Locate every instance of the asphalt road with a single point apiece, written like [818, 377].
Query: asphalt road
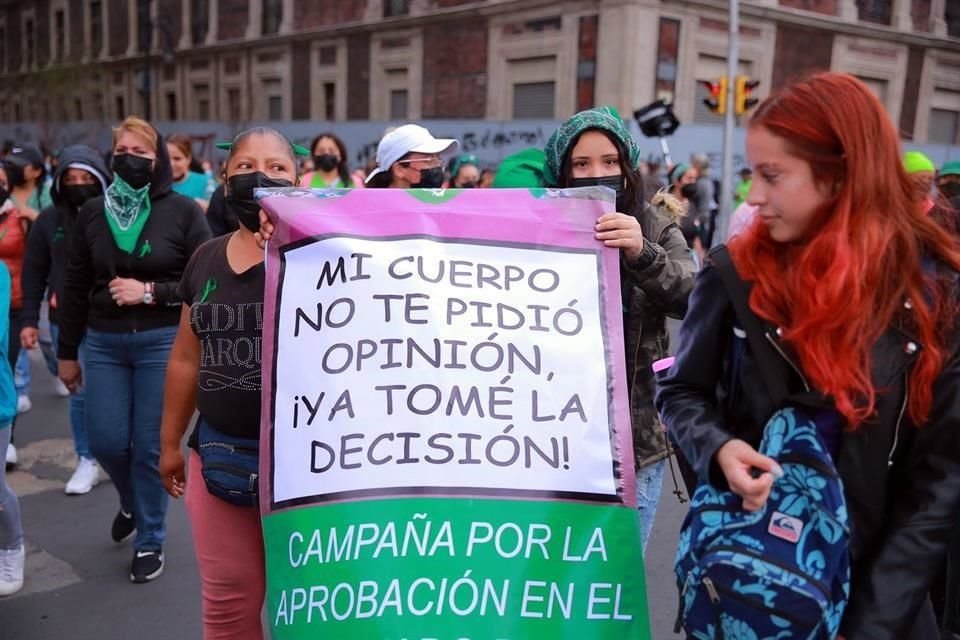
[76, 578]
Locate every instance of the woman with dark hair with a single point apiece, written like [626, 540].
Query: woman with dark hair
[227, 536]
[26, 174]
[682, 179]
[186, 181]
[127, 252]
[855, 287]
[465, 172]
[331, 170]
[594, 148]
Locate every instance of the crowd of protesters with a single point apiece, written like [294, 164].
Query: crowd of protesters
[109, 263]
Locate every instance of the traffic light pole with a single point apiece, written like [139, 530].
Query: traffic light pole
[726, 184]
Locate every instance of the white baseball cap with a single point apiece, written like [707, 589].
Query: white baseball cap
[409, 138]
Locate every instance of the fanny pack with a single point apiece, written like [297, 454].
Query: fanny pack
[230, 465]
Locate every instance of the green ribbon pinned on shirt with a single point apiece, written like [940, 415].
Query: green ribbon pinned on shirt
[145, 248]
[208, 288]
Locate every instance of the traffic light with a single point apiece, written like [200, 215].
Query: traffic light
[742, 92]
[717, 102]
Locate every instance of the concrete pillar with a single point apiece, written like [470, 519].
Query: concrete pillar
[627, 43]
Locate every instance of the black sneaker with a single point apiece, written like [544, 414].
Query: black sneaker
[146, 566]
[124, 526]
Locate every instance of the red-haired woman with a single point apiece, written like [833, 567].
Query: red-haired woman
[856, 288]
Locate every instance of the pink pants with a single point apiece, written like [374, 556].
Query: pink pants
[229, 545]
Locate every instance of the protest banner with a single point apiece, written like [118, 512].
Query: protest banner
[447, 448]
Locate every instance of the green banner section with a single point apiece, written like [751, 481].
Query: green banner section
[456, 569]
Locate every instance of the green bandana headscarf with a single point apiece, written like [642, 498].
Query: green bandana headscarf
[521, 170]
[127, 212]
[605, 118]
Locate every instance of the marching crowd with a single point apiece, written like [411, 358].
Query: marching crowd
[848, 245]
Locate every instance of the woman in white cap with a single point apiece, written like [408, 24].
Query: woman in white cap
[409, 157]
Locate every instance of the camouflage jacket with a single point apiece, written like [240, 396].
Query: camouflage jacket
[654, 286]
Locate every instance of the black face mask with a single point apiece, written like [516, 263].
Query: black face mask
[614, 182]
[950, 189]
[326, 162]
[239, 196]
[136, 171]
[689, 191]
[77, 194]
[15, 175]
[430, 179]
[468, 185]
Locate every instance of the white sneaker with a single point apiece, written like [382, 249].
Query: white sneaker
[61, 388]
[86, 477]
[11, 570]
[24, 404]
[11, 456]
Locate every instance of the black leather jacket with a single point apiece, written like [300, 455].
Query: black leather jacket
[902, 483]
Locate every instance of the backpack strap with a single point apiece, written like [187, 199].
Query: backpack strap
[738, 290]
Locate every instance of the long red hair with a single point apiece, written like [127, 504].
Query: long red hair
[838, 290]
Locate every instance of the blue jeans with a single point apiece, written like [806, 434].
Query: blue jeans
[21, 373]
[11, 532]
[649, 484]
[77, 420]
[124, 398]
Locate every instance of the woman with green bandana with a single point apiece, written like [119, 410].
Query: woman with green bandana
[465, 172]
[128, 250]
[594, 148]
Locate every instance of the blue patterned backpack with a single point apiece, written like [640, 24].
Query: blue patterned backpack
[782, 572]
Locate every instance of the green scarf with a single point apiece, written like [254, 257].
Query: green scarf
[127, 212]
[559, 144]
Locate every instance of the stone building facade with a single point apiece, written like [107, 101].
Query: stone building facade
[238, 61]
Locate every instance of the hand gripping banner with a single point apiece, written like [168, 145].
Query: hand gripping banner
[446, 452]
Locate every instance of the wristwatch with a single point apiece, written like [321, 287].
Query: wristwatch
[148, 293]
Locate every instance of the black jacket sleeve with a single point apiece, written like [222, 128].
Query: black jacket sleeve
[665, 271]
[78, 282]
[37, 261]
[196, 232]
[922, 513]
[687, 395]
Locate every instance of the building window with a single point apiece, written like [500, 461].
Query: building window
[952, 17]
[272, 16]
[171, 106]
[393, 8]
[275, 107]
[667, 52]
[534, 99]
[876, 11]
[29, 42]
[944, 126]
[121, 110]
[233, 104]
[200, 20]
[96, 27]
[201, 96]
[144, 26]
[398, 104]
[329, 100]
[59, 35]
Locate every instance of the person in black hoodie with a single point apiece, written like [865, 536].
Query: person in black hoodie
[127, 253]
[80, 176]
